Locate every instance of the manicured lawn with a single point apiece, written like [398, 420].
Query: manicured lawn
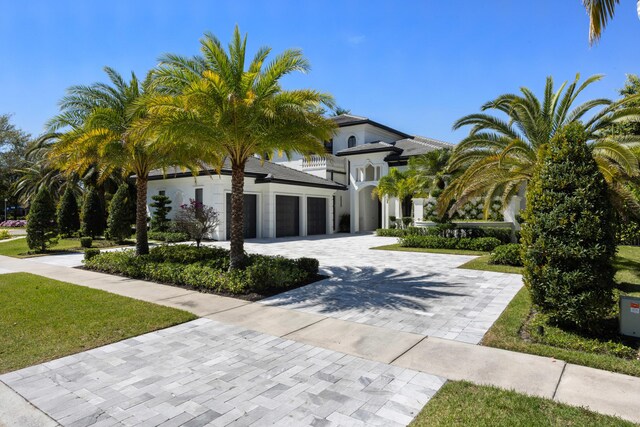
[482, 263]
[397, 247]
[44, 319]
[19, 249]
[465, 404]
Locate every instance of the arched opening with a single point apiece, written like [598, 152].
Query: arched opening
[351, 142]
[369, 210]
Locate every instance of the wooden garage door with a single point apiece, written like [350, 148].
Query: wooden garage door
[316, 215]
[287, 216]
[250, 216]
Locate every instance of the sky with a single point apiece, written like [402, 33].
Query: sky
[416, 66]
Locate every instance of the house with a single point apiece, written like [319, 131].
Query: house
[300, 197]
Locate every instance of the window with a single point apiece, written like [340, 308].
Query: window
[199, 195]
[351, 142]
[161, 193]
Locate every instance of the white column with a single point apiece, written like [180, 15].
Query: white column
[355, 210]
[418, 209]
[385, 212]
[303, 215]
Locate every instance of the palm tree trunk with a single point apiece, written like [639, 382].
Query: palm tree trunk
[237, 215]
[142, 242]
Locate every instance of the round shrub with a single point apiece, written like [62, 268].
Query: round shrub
[309, 265]
[568, 236]
[91, 253]
[510, 254]
[86, 242]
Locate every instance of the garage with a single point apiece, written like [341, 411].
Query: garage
[316, 215]
[287, 216]
[250, 216]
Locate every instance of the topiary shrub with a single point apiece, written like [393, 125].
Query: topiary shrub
[90, 253]
[118, 225]
[309, 265]
[86, 242]
[159, 221]
[92, 214]
[510, 254]
[42, 230]
[568, 236]
[68, 215]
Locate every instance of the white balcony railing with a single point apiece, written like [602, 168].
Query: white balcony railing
[329, 162]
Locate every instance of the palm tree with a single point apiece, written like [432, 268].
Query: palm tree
[93, 132]
[497, 158]
[600, 12]
[232, 109]
[431, 169]
[400, 185]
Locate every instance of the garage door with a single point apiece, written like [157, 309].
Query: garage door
[287, 216]
[250, 216]
[316, 215]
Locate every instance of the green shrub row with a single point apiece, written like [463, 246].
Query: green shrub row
[449, 230]
[205, 268]
[510, 254]
[168, 236]
[484, 244]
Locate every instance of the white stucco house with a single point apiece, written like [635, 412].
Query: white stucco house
[300, 197]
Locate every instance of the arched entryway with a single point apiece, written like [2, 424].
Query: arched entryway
[369, 210]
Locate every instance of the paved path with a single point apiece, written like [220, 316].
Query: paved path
[311, 331]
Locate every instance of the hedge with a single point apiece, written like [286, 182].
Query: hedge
[450, 230]
[510, 254]
[206, 269]
[168, 236]
[484, 244]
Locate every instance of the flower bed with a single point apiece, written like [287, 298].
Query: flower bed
[206, 269]
[14, 223]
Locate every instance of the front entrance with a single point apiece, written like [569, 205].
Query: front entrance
[250, 216]
[316, 215]
[369, 210]
[287, 216]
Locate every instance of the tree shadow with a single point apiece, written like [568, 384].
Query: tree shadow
[368, 288]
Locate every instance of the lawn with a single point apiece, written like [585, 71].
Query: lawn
[397, 247]
[515, 330]
[482, 263]
[18, 248]
[465, 404]
[44, 319]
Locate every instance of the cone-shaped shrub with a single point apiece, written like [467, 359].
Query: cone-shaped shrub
[41, 222]
[92, 214]
[68, 213]
[118, 223]
[568, 237]
[159, 221]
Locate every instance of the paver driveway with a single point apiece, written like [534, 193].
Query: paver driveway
[406, 291]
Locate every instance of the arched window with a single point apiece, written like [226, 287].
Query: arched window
[351, 142]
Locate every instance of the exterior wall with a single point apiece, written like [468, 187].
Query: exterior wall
[216, 187]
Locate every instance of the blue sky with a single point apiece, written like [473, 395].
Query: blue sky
[416, 66]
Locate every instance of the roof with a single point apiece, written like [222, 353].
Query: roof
[262, 171]
[344, 120]
[372, 147]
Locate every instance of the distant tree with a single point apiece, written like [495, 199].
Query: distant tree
[68, 213]
[568, 236]
[197, 220]
[339, 111]
[41, 222]
[92, 214]
[431, 170]
[118, 222]
[13, 144]
[159, 221]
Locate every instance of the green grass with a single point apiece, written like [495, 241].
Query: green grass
[397, 247]
[44, 319]
[465, 404]
[19, 249]
[627, 265]
[482, 263]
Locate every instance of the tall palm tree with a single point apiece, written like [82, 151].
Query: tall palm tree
[497, 158]
[233, 109]
[93, 130]
[600, 12]
[431, 169]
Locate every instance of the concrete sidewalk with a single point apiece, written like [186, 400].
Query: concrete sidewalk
[601, 391]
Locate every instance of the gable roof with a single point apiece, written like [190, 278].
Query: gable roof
[344, 120]
[263, 172]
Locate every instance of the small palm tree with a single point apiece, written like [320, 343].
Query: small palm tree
[498, 156]
[232, 109]
[400, 185]
[431, 169]
[600, 12]
[93, 130]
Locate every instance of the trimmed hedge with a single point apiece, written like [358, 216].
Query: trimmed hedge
[484, 244]
[206, 269]
[168, 236]
[510, 254]
[451, 231]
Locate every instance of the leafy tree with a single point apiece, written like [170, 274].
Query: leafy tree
[92, 214]
[600, 12]
[159, 221]
[41, 222]
[568, 235]
[95, 131]
[229, 111]
[118, 222]
[197, 220]
[13, 144]
[499, 155]
[68, 213]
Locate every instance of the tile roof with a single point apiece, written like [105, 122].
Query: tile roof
[372, 147]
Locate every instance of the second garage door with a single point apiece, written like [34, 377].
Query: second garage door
[316, 215]
[250, 216]
[287, 216]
